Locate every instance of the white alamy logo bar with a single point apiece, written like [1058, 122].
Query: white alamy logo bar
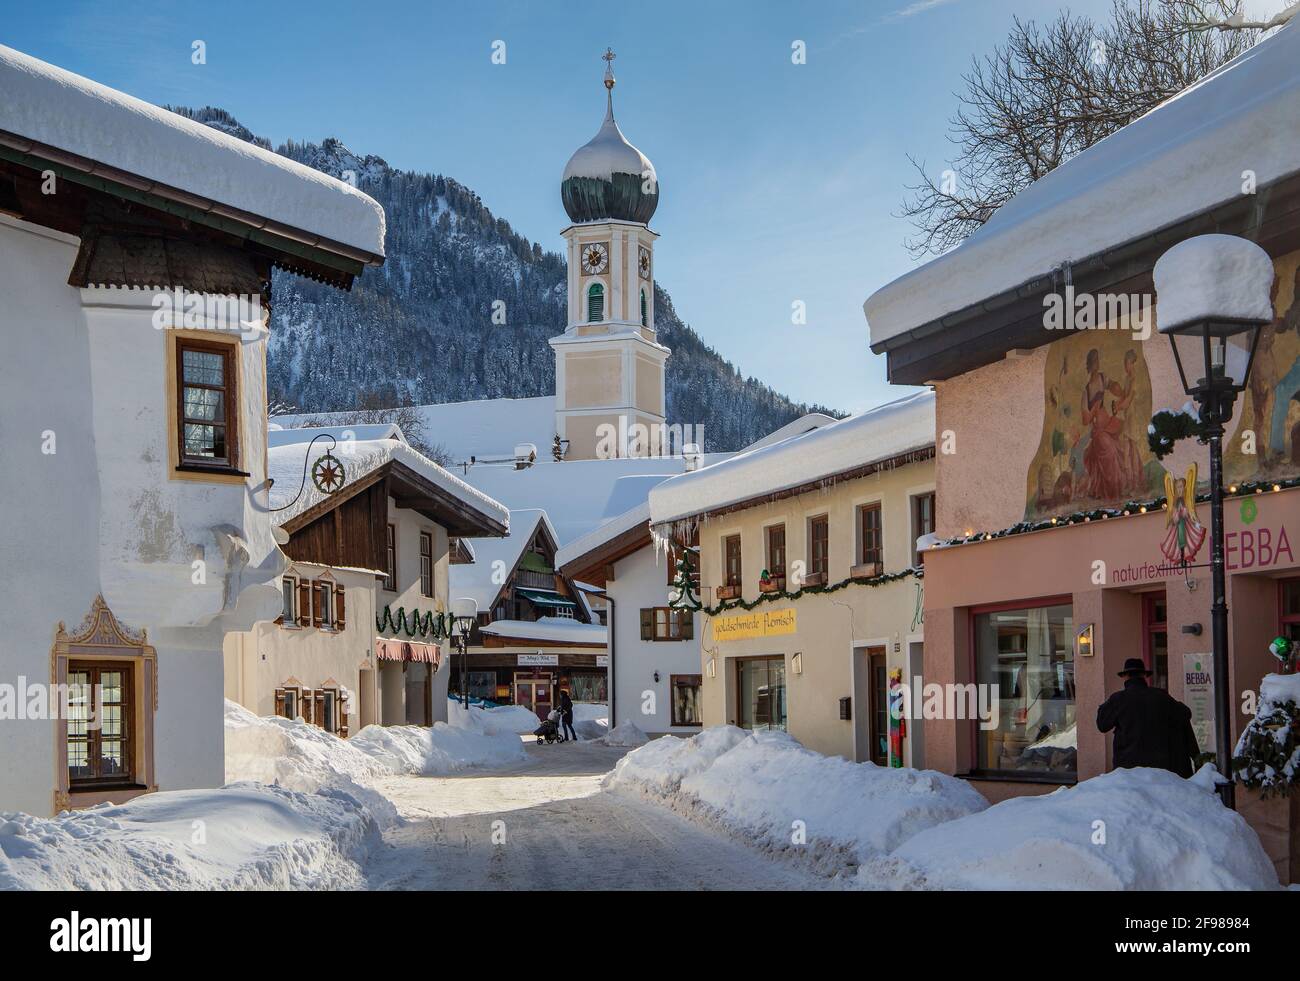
[102, 934]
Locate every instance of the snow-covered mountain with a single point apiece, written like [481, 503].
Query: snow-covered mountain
[419, 329]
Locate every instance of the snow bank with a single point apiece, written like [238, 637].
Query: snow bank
[469, 739]
[768, 790]
[511, 718]
[1158, 831]
[624, 734]
[244, 836]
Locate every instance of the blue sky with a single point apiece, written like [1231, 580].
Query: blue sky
[778, 182]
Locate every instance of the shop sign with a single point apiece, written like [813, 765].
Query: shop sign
[602, 660]
[538, 660]
[1198, 694]
[764, 623]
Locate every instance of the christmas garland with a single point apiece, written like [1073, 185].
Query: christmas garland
[1244, 489]
[434, 625]
[686, 598]
[1168, 427]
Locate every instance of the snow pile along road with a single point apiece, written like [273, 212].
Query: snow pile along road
[1130, 829]
[469, 739]
[512, 718]
[244, 836]
[767, 789]
[625, 734]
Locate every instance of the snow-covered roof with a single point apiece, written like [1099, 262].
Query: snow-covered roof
[553, 630]
[875, 435]
[289, 449]
[603, 534]
[54, 107]
[484, 428]
[494, 558]
[1187, 155]
[805, 423]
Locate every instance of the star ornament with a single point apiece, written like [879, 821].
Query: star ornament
[327, 474]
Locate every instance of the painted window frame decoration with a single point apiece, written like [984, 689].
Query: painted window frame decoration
[100, 639]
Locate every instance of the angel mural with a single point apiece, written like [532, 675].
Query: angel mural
[1186, 533]
[1097, 402]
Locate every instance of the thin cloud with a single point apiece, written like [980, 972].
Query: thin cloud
[918, 7]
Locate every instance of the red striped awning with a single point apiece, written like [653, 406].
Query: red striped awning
[391, 649]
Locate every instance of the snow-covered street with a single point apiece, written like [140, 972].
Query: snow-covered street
[558, 830]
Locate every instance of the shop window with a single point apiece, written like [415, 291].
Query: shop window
[426, 564]
[871, 539]
[482, 684]
[760, 693]
[1289, 609]
[390, 559]
[664, 623]
[587, 686]
[101, 724]
[207, 405]
[1026, 658]
[686, 699]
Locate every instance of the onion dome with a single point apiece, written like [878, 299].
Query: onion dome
[607, 178]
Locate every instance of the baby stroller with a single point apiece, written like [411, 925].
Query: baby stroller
[549, 730]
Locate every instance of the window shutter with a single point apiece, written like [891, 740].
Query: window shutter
[647, 624]
[280, 708]
[304, 602]
[688, 625]
[319, 698]
[339, 607]
[316, 605]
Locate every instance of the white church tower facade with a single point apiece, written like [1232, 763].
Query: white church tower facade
[609, 365]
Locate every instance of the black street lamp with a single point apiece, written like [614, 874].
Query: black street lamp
[464, 614]
[1216, 289]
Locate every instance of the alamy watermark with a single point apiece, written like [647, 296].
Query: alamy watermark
[1068, 310]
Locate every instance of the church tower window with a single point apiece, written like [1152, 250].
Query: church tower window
[595, 303]
[645, 316]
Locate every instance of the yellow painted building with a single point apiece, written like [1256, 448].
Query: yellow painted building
[809, 547]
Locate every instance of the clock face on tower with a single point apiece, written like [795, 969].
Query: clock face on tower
[643, 262]
[595, 258]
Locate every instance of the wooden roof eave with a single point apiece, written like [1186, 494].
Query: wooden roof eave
[590, 566]
[410, 489]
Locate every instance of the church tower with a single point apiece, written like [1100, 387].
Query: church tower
[609, 366]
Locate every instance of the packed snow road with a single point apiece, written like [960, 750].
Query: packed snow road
[557, 830]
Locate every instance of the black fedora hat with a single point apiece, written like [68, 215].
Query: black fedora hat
[1134, 665]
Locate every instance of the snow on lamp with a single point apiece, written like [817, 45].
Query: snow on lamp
[1216, 289]
[464, 611]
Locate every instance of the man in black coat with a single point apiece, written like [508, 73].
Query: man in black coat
[566, 716]
[1152, 728]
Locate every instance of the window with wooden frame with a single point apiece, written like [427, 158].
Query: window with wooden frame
[819, 549]
[207, 405]
[390, 559]
[675, 555]
[289, 609]
[290, 703]
[776, 552]
[667, 623]
[685, 689]
[100, 725]
[922, 522]
[332, 716]
[322, 604]
[731, 567]
[426, 563]
[871, 537]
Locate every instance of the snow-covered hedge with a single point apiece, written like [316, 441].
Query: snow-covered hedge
[1267, 752]
[1130, 829]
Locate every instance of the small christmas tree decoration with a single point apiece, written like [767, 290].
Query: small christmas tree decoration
[1284, 650]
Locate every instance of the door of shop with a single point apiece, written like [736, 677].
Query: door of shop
[760, 692]
[534, 693]
[1155, 633]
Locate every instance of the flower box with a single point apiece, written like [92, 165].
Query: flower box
[773, 585]
[867, 570]
[728, 592]
[813, 579]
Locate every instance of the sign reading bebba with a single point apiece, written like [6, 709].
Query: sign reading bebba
[766, 623]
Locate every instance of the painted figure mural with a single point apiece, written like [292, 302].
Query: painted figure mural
[1097, 403]
[1186, 533]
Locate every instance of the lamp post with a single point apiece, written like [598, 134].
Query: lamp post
[464, 614]
[1216, 289]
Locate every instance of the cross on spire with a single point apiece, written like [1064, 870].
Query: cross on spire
[608, 58]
